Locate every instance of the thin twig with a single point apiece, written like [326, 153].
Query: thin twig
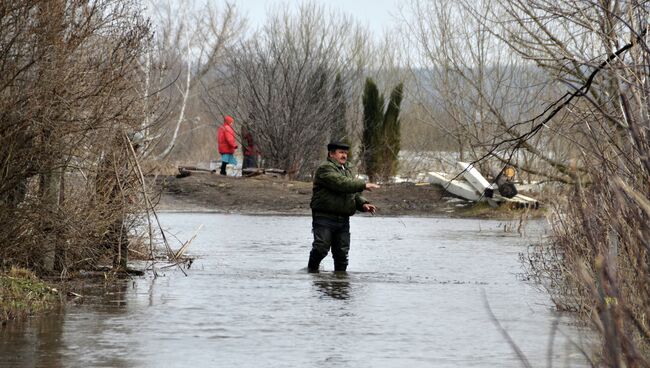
[557, 106]
[149, 206]
[187, 244]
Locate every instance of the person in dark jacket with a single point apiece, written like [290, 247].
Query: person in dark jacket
[336, 196]
[249, 149]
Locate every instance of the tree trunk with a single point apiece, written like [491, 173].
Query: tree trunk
[50, 195]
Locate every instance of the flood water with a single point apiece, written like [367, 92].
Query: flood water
[415, 296]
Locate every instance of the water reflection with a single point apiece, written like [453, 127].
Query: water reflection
[37, 344]
[40, 342]
[335, 285]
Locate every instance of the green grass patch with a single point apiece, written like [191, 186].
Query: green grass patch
[22, 294]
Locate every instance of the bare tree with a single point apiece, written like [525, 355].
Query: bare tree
[279, 84]
[189, 43]
[598, 50]
[587, 126]
[69, 76]
[475, 88]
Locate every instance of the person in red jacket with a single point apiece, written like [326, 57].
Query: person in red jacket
[226, 143]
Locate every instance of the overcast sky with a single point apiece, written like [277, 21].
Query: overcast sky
[376, 14]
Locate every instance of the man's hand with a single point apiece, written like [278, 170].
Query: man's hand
[371, 186]
[367, 207]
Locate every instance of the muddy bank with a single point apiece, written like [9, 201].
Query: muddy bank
[204, 191]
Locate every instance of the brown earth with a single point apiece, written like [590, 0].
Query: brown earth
[205, 191]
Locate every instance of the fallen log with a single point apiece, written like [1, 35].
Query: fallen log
[254, 171]
[182, 173]
[250, 172]
[276, 171]
[185, 171]
[193, 168]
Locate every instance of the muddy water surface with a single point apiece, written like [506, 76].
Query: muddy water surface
[415, 296]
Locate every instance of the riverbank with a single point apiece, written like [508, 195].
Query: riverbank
[208, 192]
[23, 294]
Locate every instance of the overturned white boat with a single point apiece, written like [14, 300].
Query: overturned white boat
[469, 184]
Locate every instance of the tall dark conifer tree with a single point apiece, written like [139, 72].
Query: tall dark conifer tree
[391, 129]
[373, 119]
[339, 130]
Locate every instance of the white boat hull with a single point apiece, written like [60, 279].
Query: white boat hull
[473, 177]
[474, 187]
[456, 187]
[477, 181]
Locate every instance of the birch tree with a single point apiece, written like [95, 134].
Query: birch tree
[189, 43]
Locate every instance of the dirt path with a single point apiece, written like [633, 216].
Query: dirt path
[205, 191]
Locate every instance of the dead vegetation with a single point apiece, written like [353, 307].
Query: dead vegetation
[597, 261]
[560, 91]
[70, 191]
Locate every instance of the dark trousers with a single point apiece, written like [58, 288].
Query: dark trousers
[250, 161]
[330, 232]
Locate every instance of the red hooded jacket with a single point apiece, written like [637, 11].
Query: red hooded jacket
[226, 137]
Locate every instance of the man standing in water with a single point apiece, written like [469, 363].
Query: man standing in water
[336, 196]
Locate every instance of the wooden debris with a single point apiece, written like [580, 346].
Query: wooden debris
[185, 171]
[182, 250]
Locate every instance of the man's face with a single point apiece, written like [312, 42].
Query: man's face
[339, 155]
